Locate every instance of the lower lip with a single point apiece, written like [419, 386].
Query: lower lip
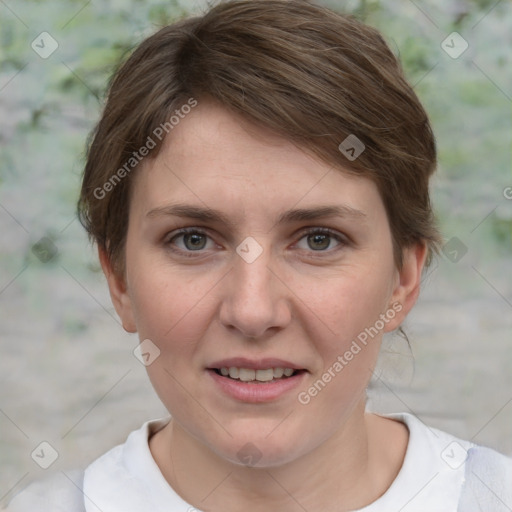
[256, 393]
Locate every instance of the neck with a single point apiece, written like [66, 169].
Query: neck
[342, 473]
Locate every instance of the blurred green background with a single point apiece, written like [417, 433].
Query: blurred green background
[67, 369]
[49, 105]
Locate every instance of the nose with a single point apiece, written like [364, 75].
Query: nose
[255, 300]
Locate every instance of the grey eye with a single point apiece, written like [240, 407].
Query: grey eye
[319, 241]
[194, 241]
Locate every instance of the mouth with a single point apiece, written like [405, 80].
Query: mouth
[263, 384]
[256, 376]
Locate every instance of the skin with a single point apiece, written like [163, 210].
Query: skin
[294, 302]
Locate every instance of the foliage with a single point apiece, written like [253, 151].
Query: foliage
[48, 106]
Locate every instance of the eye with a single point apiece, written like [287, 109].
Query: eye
[190, 240]
[320, 239]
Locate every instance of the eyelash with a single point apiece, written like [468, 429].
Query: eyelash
[342, 240]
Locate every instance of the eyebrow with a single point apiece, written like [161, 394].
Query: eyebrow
[296, 215]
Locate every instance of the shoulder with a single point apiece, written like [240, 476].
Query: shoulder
[61, 492]
[487, 481]
[123, 476]
[454, 474]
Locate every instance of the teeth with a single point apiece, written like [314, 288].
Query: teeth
[264, 375]
[249, 374]
[245, 374]
[278, 373]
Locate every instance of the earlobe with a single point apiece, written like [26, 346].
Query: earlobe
[407, 288]
[118, 293]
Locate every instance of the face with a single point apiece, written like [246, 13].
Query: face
[245, 252]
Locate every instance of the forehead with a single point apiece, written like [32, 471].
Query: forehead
[218, 139]
[217, 159]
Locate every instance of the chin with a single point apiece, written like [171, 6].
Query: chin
[260, 450]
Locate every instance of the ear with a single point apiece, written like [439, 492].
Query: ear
[118, 293]
[407, 287]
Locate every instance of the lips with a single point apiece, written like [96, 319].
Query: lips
[261, 380]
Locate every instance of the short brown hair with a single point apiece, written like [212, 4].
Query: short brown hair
[312, 75]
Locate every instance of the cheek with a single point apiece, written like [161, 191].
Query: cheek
[171, 304]
[348, 348]
[344, 306]
[174, 312]
[347, 314]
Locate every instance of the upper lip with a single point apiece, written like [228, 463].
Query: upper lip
[255, 364]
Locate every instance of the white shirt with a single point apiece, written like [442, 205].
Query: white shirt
[440, 473]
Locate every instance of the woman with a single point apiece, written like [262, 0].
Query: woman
[258, 190]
